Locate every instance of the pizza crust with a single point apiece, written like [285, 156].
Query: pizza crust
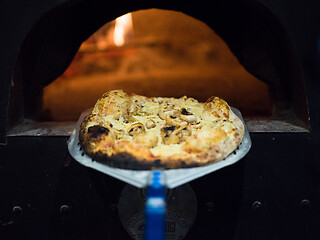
[136, 132]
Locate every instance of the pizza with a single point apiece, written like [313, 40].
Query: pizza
[139, 132]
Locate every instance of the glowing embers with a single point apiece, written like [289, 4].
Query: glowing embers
[171, 54]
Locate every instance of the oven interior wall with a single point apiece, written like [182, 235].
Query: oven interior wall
[262, 47]
[170, 54]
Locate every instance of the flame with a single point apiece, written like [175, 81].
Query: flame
[123, 29]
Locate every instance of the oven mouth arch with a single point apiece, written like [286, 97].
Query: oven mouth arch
[254, 35]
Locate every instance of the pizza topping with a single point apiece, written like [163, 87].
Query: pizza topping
[128, 118]
[169, 106]
[184, 132]
[189, 118]
[196, 125]
[175, 134]
[173, 114]
[168, 135]
[162, 115]
[150, 124]
[166, 131]
[185, 112]
[166, 115]
[136, 128]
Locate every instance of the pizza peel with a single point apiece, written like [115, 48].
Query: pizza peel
[140, 178]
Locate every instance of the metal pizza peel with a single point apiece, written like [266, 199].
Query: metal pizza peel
[140, 178]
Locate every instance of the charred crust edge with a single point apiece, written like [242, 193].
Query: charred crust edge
[127, 161]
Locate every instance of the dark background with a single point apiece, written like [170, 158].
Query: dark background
[274, 193]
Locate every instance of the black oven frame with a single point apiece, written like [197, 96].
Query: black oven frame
[271, 194]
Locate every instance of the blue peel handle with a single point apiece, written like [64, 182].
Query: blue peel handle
[155, 208]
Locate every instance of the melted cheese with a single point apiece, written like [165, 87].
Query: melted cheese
[166, 150]
[209, 122]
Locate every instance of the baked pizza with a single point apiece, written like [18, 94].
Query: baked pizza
[138, 132]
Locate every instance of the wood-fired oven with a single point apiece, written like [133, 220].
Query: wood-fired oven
[58, 57]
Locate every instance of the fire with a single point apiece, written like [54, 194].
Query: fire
[123, 29]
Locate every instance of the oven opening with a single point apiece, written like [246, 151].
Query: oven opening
[151, 52]
[154, 53]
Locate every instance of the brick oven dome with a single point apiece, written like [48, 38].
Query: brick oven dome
[253, 33]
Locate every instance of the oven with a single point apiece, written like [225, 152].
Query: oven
[58, 57]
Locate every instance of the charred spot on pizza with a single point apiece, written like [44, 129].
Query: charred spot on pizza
[98, 130]
[185, 112]
[93, 128]
[136, 129]
[169, 129]
[168, 135]
[187, 164]
[166, 131]
[175, 134]
[157, 161]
